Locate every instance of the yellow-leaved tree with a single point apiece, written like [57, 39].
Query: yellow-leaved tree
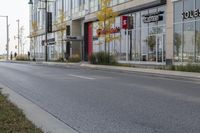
[34, 34]
[61, 27]
[106, 18]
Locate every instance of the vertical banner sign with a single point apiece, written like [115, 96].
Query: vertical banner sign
[124, 22]
[130, 22]
[49, 22]
[68, 43]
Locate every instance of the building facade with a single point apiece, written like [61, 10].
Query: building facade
[162, 31]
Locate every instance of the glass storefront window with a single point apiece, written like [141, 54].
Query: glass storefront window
[178, 9]
[197, 46]
[186, 32]
[189, 42]
[178, 42]
[188, 5]
[152, 24]
[137, 43]
[197, 4]
[138, 20]
[162, 8]
[137, 47]
[144, 38]
[94, 5]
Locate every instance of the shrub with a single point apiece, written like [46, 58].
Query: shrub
[102, 58]
[60, 59]
[74, 58]
[22, 58]
[93, 59]
[1, 57]
[188, 68]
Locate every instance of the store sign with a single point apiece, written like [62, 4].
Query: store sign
[153, 17]
[73, 38]
[127, 22]
[110, 31]
[124, 20]
[49, 22]
[49, 42]
[191, 14]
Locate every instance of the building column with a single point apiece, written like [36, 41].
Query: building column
[169, 33]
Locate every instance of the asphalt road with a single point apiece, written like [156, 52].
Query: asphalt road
[95, 101]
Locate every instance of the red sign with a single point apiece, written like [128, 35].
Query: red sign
[110, 31]
[124, 22]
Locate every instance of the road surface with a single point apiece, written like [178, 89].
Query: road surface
[95, 101]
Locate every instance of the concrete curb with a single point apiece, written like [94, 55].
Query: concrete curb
[163, 73]
[47, 122]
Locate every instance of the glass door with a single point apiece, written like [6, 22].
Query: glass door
[160, 50]
[156, 50]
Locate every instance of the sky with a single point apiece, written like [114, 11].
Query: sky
[14, 9]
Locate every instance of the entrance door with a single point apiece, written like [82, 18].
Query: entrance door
[160, 48]
[156, 50]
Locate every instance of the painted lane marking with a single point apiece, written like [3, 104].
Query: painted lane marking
[82, 77]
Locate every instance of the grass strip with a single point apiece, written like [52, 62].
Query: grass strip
[12, 119]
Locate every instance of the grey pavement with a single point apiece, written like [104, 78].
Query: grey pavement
[98, 101]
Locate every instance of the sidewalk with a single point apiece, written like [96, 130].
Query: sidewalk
[154, 72]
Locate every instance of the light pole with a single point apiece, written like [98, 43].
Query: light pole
[18, 34]
[46, 26]
[46, 30]
[7, 30]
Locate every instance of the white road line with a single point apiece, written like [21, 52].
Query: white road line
[82, 77]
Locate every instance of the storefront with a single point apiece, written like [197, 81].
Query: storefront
[144, 42]
[187, 31]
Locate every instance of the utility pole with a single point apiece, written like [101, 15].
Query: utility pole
[46, 31]
[7, 37]
[18, 34]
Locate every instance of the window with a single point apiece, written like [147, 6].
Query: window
[189, 41]
[178, 9]
[144, 36]
[197, 46]
[94, 5]
[178, 42]
[189, 6]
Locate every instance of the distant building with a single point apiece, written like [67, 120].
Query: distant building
[163, 31]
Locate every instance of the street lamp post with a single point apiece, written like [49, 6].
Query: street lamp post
[7, 38]
[46, 31]
[18, 34]
[46, 26]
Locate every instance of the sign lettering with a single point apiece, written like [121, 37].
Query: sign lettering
[191, 14]
[153, 17]
[111, 31]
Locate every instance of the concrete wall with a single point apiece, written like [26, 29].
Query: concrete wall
[169, 33]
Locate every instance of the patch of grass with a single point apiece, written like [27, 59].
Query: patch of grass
[74, 59]
[102, 58]
[185, 68]
[188, 68]
[22, 58]
[12, 119]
